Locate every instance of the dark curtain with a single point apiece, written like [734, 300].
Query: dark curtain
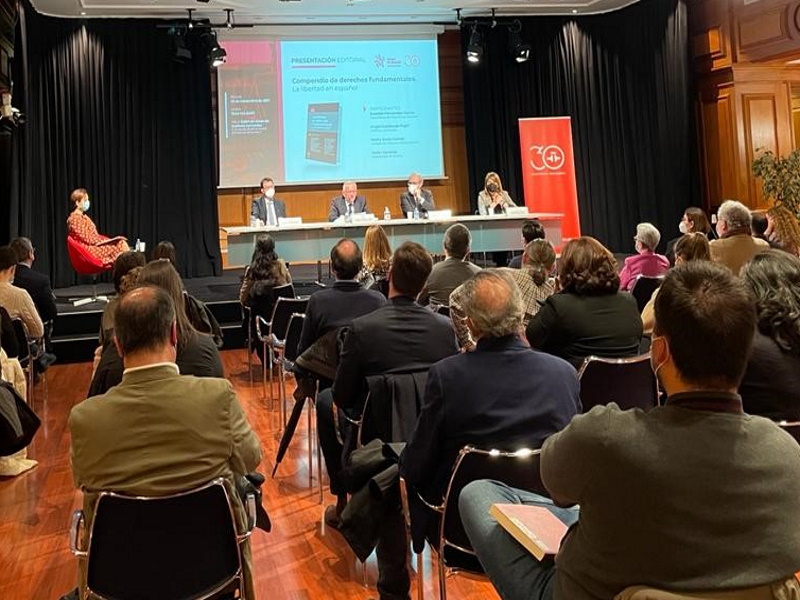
[625, 80]
[109, 110]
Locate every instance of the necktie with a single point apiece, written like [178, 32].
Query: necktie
[271, 212]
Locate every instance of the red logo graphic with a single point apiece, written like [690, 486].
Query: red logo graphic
[549, 158]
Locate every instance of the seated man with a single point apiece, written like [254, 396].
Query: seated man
[736, 244]
[348, 203]
[532, 229]
[16, 301]
[416, 196]
[267, 208]
[398, 338]
[453, 270]
[691, 496]
[195, 429]
[503, 395]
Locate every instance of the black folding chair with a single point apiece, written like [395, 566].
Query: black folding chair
[629, 382]
[178, 547]
[643, 289]
[29, 351]
[518, 469]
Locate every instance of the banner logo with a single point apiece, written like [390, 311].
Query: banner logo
[550, 157]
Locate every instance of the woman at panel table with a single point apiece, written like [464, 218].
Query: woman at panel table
[493, 199]
[82, 229]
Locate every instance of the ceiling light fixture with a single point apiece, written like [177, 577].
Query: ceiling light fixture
[229, 18]
[520, 50]
[475, 46]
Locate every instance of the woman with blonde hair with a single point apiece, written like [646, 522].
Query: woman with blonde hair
[493, 199]
[377, 255]
[783, 230]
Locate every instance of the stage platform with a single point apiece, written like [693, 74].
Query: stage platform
[76, 328]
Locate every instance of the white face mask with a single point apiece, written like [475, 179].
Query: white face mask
[683, 227]
[85, 205]
[412, 188]
[270, 193]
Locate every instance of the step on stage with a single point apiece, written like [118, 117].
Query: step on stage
[76, 329]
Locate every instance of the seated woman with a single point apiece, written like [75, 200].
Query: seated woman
[771, 383]
[124, 263]
[265, 272]
[694, 220]
[82, 229]
[493, 199]
[197, 354]
[646, 262]
[589, 315]
[377, 255]
[165, 249]
[783, 230]
[692, 246]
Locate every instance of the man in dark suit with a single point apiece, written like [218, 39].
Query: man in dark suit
[348, 203]
[38, 286]
[267, 208]
[453, 270]
[416, 195]
[401, 337]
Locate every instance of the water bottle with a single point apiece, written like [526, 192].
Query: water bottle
[253, 221]
[387, 214]
[138, 245]
[416, 211]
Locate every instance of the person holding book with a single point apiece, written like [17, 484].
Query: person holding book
[691, 496]
[82, 229]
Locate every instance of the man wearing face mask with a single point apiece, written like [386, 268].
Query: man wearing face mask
[267, 208]
[692, 495]
[348, 203]
[416, 196]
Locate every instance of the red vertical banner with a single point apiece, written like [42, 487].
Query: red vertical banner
[548, 170]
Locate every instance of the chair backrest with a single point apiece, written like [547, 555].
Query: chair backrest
[643, 289]
[519, 469]
[629, 382]
[284, 309]
[263, 305]
[83, 262]
[381, 284]
[293, 336]
[443, 309]
[21, 333]
[164, 548]
[792, 428]
[394, 403]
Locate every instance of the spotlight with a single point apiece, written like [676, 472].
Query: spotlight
[475, 46]
[180, 52]
[216, 53]
[516, 46]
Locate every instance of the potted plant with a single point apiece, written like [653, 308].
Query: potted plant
[780, 178]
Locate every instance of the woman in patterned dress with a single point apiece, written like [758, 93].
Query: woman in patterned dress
[83, 230]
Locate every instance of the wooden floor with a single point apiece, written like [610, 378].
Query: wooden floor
[299, 559]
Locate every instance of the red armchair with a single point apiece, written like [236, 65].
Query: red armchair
[85, 264]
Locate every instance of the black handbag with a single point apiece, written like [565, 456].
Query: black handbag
[18, 422]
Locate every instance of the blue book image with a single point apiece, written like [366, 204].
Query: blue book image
[323, 127]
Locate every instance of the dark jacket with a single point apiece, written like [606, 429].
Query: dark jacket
[771, 384]
[574, 327]
[407, 202]
[339, 206]
[258, 208]
[199, 358]
[336, 307]
[398, 338]
[38, 286]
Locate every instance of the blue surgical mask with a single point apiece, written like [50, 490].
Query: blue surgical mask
[85, 205]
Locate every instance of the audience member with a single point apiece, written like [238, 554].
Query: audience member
[348, 203]
[758, 225]
[82, 230]
[124, 263]
[771, 383]
[783, 230]
[532, 229]
[480, 397]
[692, 246]
[646, 262]
[12, 373]
[159, 432]
[41, 292]
[16, 301]
[691, 496]
[736, 244]
[534, 283]
[267, 208]
[694, 220]
[377, 258]
[416, 196]
[196, 352]
[401, 337]
[165, 250]
[493, 199]
[338, 305]
[454, 270]
[589, 315]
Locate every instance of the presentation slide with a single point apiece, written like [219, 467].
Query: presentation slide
[310, 112]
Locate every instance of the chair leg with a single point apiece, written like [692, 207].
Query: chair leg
[442, 575]
[319, 458]
[420, 579]
[250, 352]
[264, 372]
[310, 432]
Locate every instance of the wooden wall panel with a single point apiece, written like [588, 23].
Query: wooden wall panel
[8, 17]
[312, 202]
[718, 142]
[710, 30]
[767, 29]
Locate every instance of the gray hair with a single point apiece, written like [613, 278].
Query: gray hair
[348, 183]
[493, 303]
[648, 235]
[735, 214]
[457, 240]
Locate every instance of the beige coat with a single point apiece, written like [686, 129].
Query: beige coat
[735, 251]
